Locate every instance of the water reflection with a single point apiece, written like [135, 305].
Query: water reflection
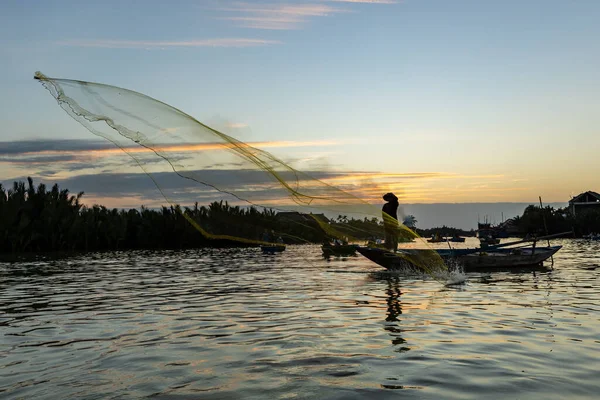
[394, 310]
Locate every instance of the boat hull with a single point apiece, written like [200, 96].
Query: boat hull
[499, 259]
[489, 241]
[339, 250]
[272, 249]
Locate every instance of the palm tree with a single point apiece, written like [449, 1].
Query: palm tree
[410, 221]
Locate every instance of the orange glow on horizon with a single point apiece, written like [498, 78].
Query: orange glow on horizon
[186, 147]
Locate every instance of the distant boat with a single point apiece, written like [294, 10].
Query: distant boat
[338, 250]
[487, 234]
[272, 249]
[488, 241]
[592, 236]
[469, 259]
[437, 238]
[457, 239]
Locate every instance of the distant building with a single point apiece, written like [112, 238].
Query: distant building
[584, 201]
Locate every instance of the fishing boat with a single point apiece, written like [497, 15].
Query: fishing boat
[487, 234]
[499, 257]
[338, 250]
[437, 238]
[488, 241]
[272, 249]
[592, 236]
[472, 260]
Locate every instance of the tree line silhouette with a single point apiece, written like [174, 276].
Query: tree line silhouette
[535, 219]
[446, 231]
[38, 219]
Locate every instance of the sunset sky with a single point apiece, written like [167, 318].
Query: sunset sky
[442, 101]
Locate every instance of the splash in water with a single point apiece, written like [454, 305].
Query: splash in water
[455, 275]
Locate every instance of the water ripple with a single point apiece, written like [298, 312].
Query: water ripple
[240, 324]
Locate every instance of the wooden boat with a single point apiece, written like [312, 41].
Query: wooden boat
[488, 241]
[437, 238]
[487, 234]
[470, 259]
[338, 250]
[272, 249]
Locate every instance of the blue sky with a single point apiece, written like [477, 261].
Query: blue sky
[498, 101]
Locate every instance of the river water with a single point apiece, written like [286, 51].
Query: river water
[237, 324]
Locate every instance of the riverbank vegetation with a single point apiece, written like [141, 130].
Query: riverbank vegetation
[535, 220]
[38, 219]
[41, 219]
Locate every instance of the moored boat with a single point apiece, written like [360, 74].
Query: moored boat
[470, 259]
[436, 238]
[592, 236]
[488, 241]
[272, 249]
[338, 250]
[487, 234]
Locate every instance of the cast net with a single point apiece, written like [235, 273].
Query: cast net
[255, 197]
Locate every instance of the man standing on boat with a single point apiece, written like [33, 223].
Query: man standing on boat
[390, 221]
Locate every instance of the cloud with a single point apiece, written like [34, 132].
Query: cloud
[365, 1]
[163, 44]
[359, 176]
[69, 157]
[38, 159]
[99, 148]
[132, 188]
[255, 185]
[22, 147]
[275, 16]
[236, 125]
[284, 16]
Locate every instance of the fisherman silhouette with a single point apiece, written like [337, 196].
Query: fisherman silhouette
[390, 221]
[266, 237]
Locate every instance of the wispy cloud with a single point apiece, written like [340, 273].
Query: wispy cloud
[64, 146]
[259, 187]
[366, 1]
[67, 156]
[236, 125]
[164, 44]
[275, 16]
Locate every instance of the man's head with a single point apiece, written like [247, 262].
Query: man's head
[390, 197]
